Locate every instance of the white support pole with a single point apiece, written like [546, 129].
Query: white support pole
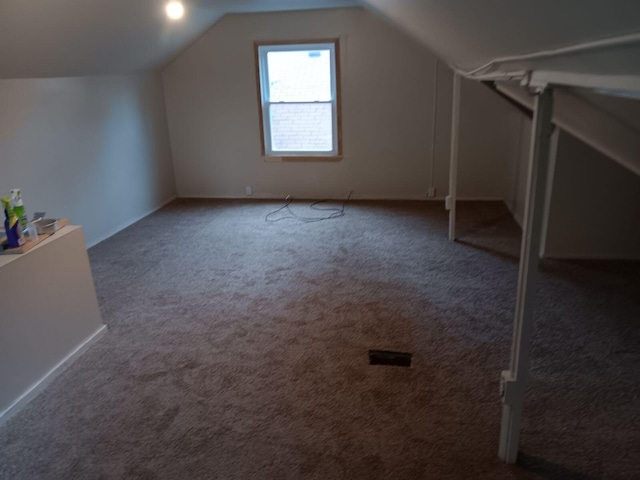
[551, 172]
[434, 124]
[514, 380]
[453, 162]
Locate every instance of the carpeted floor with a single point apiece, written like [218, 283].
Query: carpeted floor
[237, 349]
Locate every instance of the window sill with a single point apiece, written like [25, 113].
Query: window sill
[310, 158]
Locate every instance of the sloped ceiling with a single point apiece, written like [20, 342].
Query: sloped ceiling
[607, 124]
[49, 38]
[623, 110]
[58, 38]
[471, 33]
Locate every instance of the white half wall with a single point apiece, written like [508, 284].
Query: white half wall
[94, 149]
[46, 320]
[387, 113]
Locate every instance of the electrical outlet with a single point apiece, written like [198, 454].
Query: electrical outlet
[248, 191]
[447, 202]
[431, 193]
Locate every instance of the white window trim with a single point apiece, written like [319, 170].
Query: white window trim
[263, 50]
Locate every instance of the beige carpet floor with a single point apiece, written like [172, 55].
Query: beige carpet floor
[237, 349]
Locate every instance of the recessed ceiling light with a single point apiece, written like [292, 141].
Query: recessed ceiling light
[175, 10]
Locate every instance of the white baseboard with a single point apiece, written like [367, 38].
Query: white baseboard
[593, 256]
[479, 199]
[302, 197]
[338, 198]
[128, 223]
[59, 368]
[513, 214]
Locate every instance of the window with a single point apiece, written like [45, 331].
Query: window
[299, 95]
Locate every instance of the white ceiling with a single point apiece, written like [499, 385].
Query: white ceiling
[471, 33]
[49, 38]
[58, 38]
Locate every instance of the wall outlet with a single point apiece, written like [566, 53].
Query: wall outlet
[248, 191]
[431, 193]
[447, 202]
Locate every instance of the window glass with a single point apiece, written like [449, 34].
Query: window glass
[299, 107]
[298, 127]
[300, 76]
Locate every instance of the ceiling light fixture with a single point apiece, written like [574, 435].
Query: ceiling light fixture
[175, 10]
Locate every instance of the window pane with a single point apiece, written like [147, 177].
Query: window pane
[300, 76]
[303, 127]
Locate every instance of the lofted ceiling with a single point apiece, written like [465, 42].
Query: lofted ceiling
[59, 38]
[46, 38]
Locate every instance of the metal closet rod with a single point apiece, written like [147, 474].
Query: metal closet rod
[483, 71]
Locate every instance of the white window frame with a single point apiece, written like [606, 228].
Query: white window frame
[263, 75]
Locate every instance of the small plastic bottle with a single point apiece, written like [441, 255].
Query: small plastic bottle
[32, 232]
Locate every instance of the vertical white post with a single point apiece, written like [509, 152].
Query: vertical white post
[434, 124]
[453, 162]
[553, 156]
[514, 380]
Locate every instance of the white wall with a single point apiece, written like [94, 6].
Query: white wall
[387, 111]
[517, 168]
[595, 206]
[594, 201]
[94, 149]
[490, 135]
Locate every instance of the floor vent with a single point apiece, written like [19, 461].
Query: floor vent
[385, 357]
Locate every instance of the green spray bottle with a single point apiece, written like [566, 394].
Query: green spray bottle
[15, 236]
[18, 207]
